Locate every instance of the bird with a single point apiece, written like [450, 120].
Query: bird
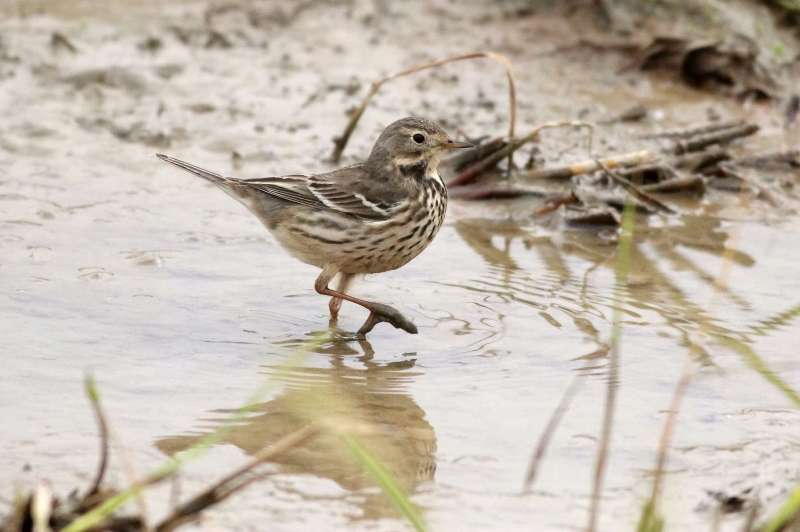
[369, 217]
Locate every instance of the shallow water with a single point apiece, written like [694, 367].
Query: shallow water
[181, 305]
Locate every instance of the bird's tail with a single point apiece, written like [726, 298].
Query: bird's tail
[208, 175]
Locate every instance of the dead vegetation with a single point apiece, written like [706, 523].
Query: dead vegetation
[667, 165]
[96, 509]
[656, 166]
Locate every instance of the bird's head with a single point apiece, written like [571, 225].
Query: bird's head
[413, 146]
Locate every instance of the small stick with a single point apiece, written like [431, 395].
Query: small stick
[676, 184]
[717, 137]
[472, 172]
[635, 191]
[692, 132]
[698, 161]
[341, 141]
[549, 430]
[789, 158]
[587, 167]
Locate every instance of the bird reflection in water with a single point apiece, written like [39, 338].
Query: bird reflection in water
[341, 383]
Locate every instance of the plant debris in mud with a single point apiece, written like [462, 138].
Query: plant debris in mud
[671, 163]
[687, 161]
[41, 510]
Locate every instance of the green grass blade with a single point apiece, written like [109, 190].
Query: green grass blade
[650, 521]
[384, 479]
[98, 515]
[785, 513]
[621, 270]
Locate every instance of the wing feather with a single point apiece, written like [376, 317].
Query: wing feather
[346, 191]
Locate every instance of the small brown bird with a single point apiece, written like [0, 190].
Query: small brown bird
[371, 217]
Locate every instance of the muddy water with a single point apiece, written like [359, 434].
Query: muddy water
[182, 305]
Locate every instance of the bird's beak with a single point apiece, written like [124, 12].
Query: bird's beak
[450, 144]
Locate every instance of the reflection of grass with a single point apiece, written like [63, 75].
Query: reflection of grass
[758, 364]
[622, 269]
[347, 432]
[683, 314]
[650, 519]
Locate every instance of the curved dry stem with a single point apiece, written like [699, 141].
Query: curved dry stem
[102, 427]
[340, 142]
[580, 124]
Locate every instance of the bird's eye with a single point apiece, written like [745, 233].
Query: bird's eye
[419, 138]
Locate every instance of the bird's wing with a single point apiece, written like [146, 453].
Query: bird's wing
[348, 191]
[291, 188]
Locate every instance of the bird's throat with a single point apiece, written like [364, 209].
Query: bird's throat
[416, 170]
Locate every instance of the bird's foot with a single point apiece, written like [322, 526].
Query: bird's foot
[379, 312]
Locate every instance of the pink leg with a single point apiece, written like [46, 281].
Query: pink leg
[378, 312]
[336, 302]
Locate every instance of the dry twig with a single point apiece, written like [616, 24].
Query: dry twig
[341, 141]
[635, 191]
[721, 136]
[694, 131]
[587, 167]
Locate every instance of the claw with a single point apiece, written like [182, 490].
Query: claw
[380, 312]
